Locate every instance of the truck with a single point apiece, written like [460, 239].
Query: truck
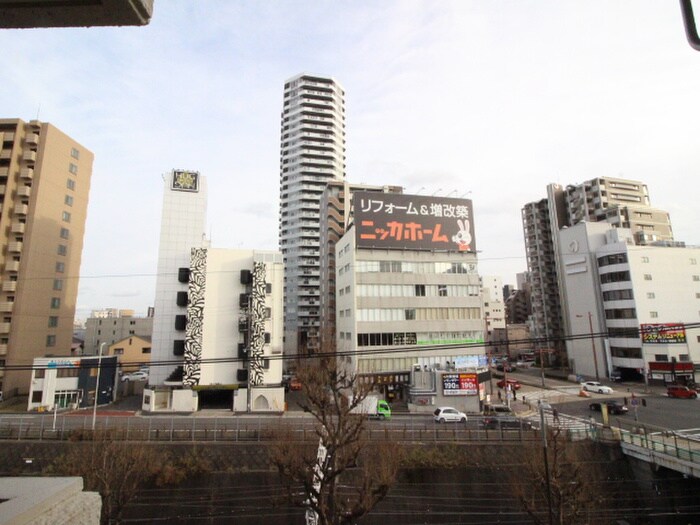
[373, 407]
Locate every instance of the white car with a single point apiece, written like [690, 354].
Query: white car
[135, 376]
[447, 414]
[595, 386]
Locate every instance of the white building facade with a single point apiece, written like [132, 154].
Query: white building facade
[632, 309]
[408, 294]
[183, 223]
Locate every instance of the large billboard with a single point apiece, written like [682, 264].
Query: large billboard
[460, 385]
[668, 333]
[413, 222]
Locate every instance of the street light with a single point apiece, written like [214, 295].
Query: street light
[97, 386]
[595, 355]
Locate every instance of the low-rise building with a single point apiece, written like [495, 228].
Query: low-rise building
[71, 382]
[109, 329]
[133, 352]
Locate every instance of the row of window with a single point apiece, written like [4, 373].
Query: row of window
[414, 267]
[417, 290]
[416, 314]
[413, 338]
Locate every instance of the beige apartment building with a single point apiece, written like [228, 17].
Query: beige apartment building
[45, 183]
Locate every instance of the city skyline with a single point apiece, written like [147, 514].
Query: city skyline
[494, 99]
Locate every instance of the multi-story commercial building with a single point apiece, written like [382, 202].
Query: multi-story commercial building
[182, 227]
[218, 326]
[109, 330]
[312, 155]
[408, 291]
[335, 215]
[45, 184]
[620, 202]
[628, 312]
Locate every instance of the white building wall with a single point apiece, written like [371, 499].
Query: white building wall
[183, 226]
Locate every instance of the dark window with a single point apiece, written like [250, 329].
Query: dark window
[65, 232]
[50, 340]
[246, 277]
[146, 350]
[70, 184]
[617, 295]
[615, 258]
[183, 275]
[62, 249]
[36, 396]
[58, 284]
[621, 313]
[267, 337]
[633, 353]
[182, 299]
[40, 373]
[442, 290]
[180, 322]
[623, 332]
[53, 321]
[242, 376]
[60, 267]
[55, 302]
[420, 290]
[179, 347]
[410, 314]
[661, 357]
[614, 277]
[268, 288]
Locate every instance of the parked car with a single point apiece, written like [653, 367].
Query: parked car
[681, 391]
[497, 410]
[505, 422]
[505, 367]
[595, 386]
[449, 414]
[135, 376]
[512, 383]
[294, 384]
[613, 407]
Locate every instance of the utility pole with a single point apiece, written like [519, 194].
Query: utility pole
[546, 466]
[97, 386]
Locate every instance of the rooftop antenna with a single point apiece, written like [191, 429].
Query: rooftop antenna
[453, 191]
[421, 189]
[38, 110]
[436, 192]
[465, 194]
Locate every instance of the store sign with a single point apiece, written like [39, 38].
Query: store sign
[460, 385]
[63, 363]
[668, 333]
[413, 222]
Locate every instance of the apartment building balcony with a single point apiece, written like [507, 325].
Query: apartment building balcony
[6, 306]
[18, 227]
[3, 188]
[12, 266]
[32, 139]
[29, 156]
[26, 173]
[4, 172]
[21, 209]
[8, 136]
[9, 286]
[24, 191]
[3, 346]
[5, 154]
[15, 247]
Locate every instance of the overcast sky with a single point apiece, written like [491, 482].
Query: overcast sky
[494, 98]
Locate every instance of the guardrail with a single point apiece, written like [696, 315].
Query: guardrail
[196, 429]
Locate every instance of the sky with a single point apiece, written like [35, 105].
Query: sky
[490, 100]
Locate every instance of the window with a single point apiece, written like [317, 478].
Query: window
[442, 290]
[617, 295]
[58, 284]
[684, 358]
[651, 295]
[696, 277]
[65, 233]
[62, 249]
[60, 267]
[39, 374]
[118, 351]
[36, 395]
[616, 258]
[73, 168]
[614, 277]
[50, 340]
[645, 259]
[70, 184]
[661, 357]
[647, 277]
[268, 288]
[74, 153]
[65, 216]
[55, 302]
[53, 321]
[693, 261]
[68, 200]
[653, 315]
[268, 313]
[410, 314]
[146, 350]
[420, 290]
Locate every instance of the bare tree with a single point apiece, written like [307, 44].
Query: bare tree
[574, 488]
[119, 469]
[312, 480]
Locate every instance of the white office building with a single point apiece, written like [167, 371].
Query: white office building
[632, 309]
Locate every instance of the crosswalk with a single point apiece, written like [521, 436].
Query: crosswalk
[561, 422]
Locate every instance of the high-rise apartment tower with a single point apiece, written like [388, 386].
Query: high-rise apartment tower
[312, 154]
[44, 188]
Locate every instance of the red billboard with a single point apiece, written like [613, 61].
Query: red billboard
[669, 333]
[413, 222]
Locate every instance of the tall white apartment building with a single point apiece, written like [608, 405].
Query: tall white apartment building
[312, 154]
[182, 227]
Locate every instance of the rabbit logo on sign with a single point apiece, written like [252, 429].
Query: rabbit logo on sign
[463, 238]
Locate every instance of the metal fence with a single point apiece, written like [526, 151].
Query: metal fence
[244, 429]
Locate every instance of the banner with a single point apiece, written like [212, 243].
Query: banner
[668, 333]
[460, 385]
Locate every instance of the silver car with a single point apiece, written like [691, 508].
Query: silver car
[449, 414]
